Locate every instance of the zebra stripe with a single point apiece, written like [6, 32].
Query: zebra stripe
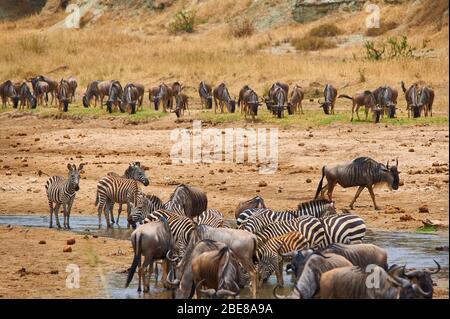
[211, 218]
[344, 228]
[145, 205]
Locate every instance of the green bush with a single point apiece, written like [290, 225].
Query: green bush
[325, 30]
[312, 43]
[393, 48]
[184, 21]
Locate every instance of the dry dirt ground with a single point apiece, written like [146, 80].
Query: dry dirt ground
[29, 144]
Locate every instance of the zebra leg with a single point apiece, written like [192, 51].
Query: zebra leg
[64, 205]
[107, 212]
[50, 204]
[358, 192]
[99, 211]
[112, 213]
[56, 211]
[68, 212]
[373, 197]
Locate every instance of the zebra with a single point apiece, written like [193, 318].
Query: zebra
[211, 217]
[243, 217]
[145, 204]
[61, 191]
[259, 219]
[117, 189]
[181, 227]
[309, 226]
[344, 228]
[269, 254]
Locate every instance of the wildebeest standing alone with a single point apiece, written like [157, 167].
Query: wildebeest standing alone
[330, 94]
[363, 172]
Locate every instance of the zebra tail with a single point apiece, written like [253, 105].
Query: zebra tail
[136, 261]
[319, 187]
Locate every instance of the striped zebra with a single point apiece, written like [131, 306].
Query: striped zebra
[181, 227]
[309, 226]
[261, 218]
[269, 254]
[344, 229]
[145, 204]
[211, 217]
[61, 191]
[247, 213]
[117, 189]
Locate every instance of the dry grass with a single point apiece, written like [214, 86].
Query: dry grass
[325, 30]
[312, 43]
[384, 27]
[241, 28]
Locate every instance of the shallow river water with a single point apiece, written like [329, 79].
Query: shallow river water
[413, 249]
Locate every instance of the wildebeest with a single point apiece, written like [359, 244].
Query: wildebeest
[204, 90]
[330, 94]
[92, 91]
[242, 243]
[360, 255]
[363, 172]
[181, 104]
[176, 88]
[240, 101]
[191, 199]
[129, 98]
[25, 96]
[411, 97]
[366, 99]
[308, 283]
[279, 101]
[114, 94]
[386, 98]
[250, 103]
[425, 100]
[63, 95]
[164, 96]
[222, 95]
[154, 241]
[73, 87]
[7, 91]
[351, 282]
[422, 278]
[52, 86]
[254, 202]
[296, 98]
[40, 90]
[184, 284]
[218, 270]
[152, 93]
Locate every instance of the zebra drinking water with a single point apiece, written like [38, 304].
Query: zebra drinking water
[61, 191]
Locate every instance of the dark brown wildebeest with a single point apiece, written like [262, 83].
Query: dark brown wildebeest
[363, 172]
[425, 100]
[73, 87]
[218, 270]
[25, 96]
[386, 98]
[411, 95]
[52, 84]
[153, 240]
[114, 94]
[366, 99]
[278, 96]
[254, 202]
[103, 90]
[41, 90]
[330, 94]
[181, 104]
[222, 95]
[176, 88]
[204, 90]
[240, 101]
[141, 91]
[165, 96]
[251, 103]
[92, 91]
[63, 95]
[130, 98]
[296, 99]
[7, 91]
[152, 93]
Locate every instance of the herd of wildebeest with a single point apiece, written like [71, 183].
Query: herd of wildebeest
[280, 97]
[203, 254]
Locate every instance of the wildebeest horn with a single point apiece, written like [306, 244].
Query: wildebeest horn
[277, 296]
[417, 272]
[396, 161]
[225, 292]
[419, 290]
[438, 268]
[168, 257]
[387, 164]
[174, 282]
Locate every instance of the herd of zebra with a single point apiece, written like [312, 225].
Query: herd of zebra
[199, 249]
[280, 97]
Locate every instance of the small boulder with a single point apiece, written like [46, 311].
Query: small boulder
[308, 180]
[406, 218]
[424, 209]
[262, 184]
[67, 249]
[42, 242]
[71, 241]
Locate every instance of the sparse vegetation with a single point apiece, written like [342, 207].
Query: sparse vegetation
[241, 28]
[34, 43]
[184, 21]
[362, 75]
[384, 27]
[325, 30]
[312, 43]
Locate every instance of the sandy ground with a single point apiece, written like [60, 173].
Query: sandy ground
[29, 144]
